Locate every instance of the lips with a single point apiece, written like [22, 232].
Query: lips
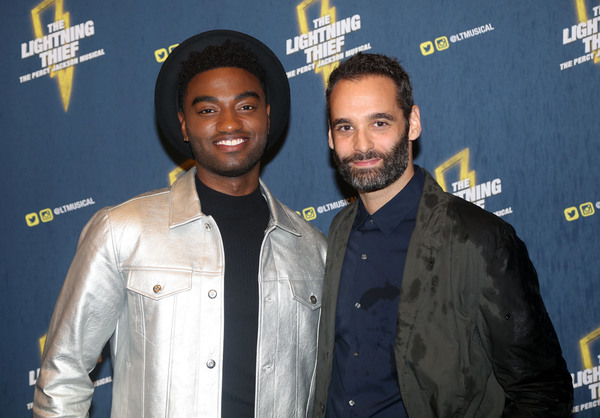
[231, 142]
[366, 163]
[363, 159]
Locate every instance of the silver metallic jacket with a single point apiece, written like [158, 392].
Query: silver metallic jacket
[148, 275]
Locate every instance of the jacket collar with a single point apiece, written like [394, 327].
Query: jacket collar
[429, 219]
[186, 206]
[280, 217]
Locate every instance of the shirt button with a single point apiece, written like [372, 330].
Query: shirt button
[211, 364]
[212, 293]
[356, 354]
[357, 305]
[313, 299]
[364, 256]
[157, 288]
[351, 402]
[207, 227]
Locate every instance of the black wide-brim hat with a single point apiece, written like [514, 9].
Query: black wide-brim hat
[165, 94]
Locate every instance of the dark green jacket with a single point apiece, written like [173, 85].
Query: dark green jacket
[473, 336]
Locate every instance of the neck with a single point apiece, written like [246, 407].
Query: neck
[374, 201]
[233, 186]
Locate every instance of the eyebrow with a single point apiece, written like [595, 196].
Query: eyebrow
[247, 94]
[381, 115]
[212, 99]
[340, 121]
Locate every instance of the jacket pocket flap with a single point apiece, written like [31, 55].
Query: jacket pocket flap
[307, 292]
[158, 284]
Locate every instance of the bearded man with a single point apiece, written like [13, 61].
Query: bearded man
[431, 306]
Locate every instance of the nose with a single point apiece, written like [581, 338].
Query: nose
[362, 141]
[229, 121]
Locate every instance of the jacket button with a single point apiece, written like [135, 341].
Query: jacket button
[212, 293]
[210, 364]
[313, 299]
[157, 288]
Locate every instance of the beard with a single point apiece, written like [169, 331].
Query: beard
[367, 180]
[235, 168]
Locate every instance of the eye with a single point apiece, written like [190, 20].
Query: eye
[380, 124]
[206, 111]
[248, 107]
[343, 128]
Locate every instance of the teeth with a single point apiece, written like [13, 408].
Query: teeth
[230, 142]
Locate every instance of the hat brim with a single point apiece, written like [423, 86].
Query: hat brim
[165, 94]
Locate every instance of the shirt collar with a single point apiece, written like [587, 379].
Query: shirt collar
[400, 208]
[186, 207]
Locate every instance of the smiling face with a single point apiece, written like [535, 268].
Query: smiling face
[226, 120]
[369, 134]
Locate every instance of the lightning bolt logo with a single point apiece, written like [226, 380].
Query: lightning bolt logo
[177, 171]
[583, 17]
[462, 159]
[64, 76]
[585, 349]
[325, 70]
[42, 342]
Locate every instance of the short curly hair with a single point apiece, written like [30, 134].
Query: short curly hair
[363, 65]
[228, 54]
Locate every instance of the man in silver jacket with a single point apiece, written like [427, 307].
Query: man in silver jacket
[195, 330]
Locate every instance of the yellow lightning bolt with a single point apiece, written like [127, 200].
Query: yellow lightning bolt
[304, 29]
[65, 76]
[462, 158]
[582, 16]
[176, 172]
[42, 342]
[585, 349]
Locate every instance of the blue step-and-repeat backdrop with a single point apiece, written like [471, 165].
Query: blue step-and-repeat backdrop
[510, 105]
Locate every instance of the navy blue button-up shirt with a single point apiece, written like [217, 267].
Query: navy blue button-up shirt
[364, 381]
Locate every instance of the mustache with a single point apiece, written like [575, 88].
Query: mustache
[362, 156]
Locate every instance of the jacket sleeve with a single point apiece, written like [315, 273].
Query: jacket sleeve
[84, 318]
[518, 334]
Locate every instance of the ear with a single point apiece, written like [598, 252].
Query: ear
[330, 138]
[414, 124]
[268, 118]
[181, 117]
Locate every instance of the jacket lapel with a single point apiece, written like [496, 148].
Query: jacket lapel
[421, 259]
[185, 204]
[336, 249]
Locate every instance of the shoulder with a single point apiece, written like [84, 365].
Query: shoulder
[472, 221]
[477, 234]
[133, 211]
[465, 218]
[150, 198]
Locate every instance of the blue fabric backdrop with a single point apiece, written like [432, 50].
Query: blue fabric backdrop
[508, 93]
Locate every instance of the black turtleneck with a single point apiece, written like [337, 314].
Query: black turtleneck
[242, 221]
